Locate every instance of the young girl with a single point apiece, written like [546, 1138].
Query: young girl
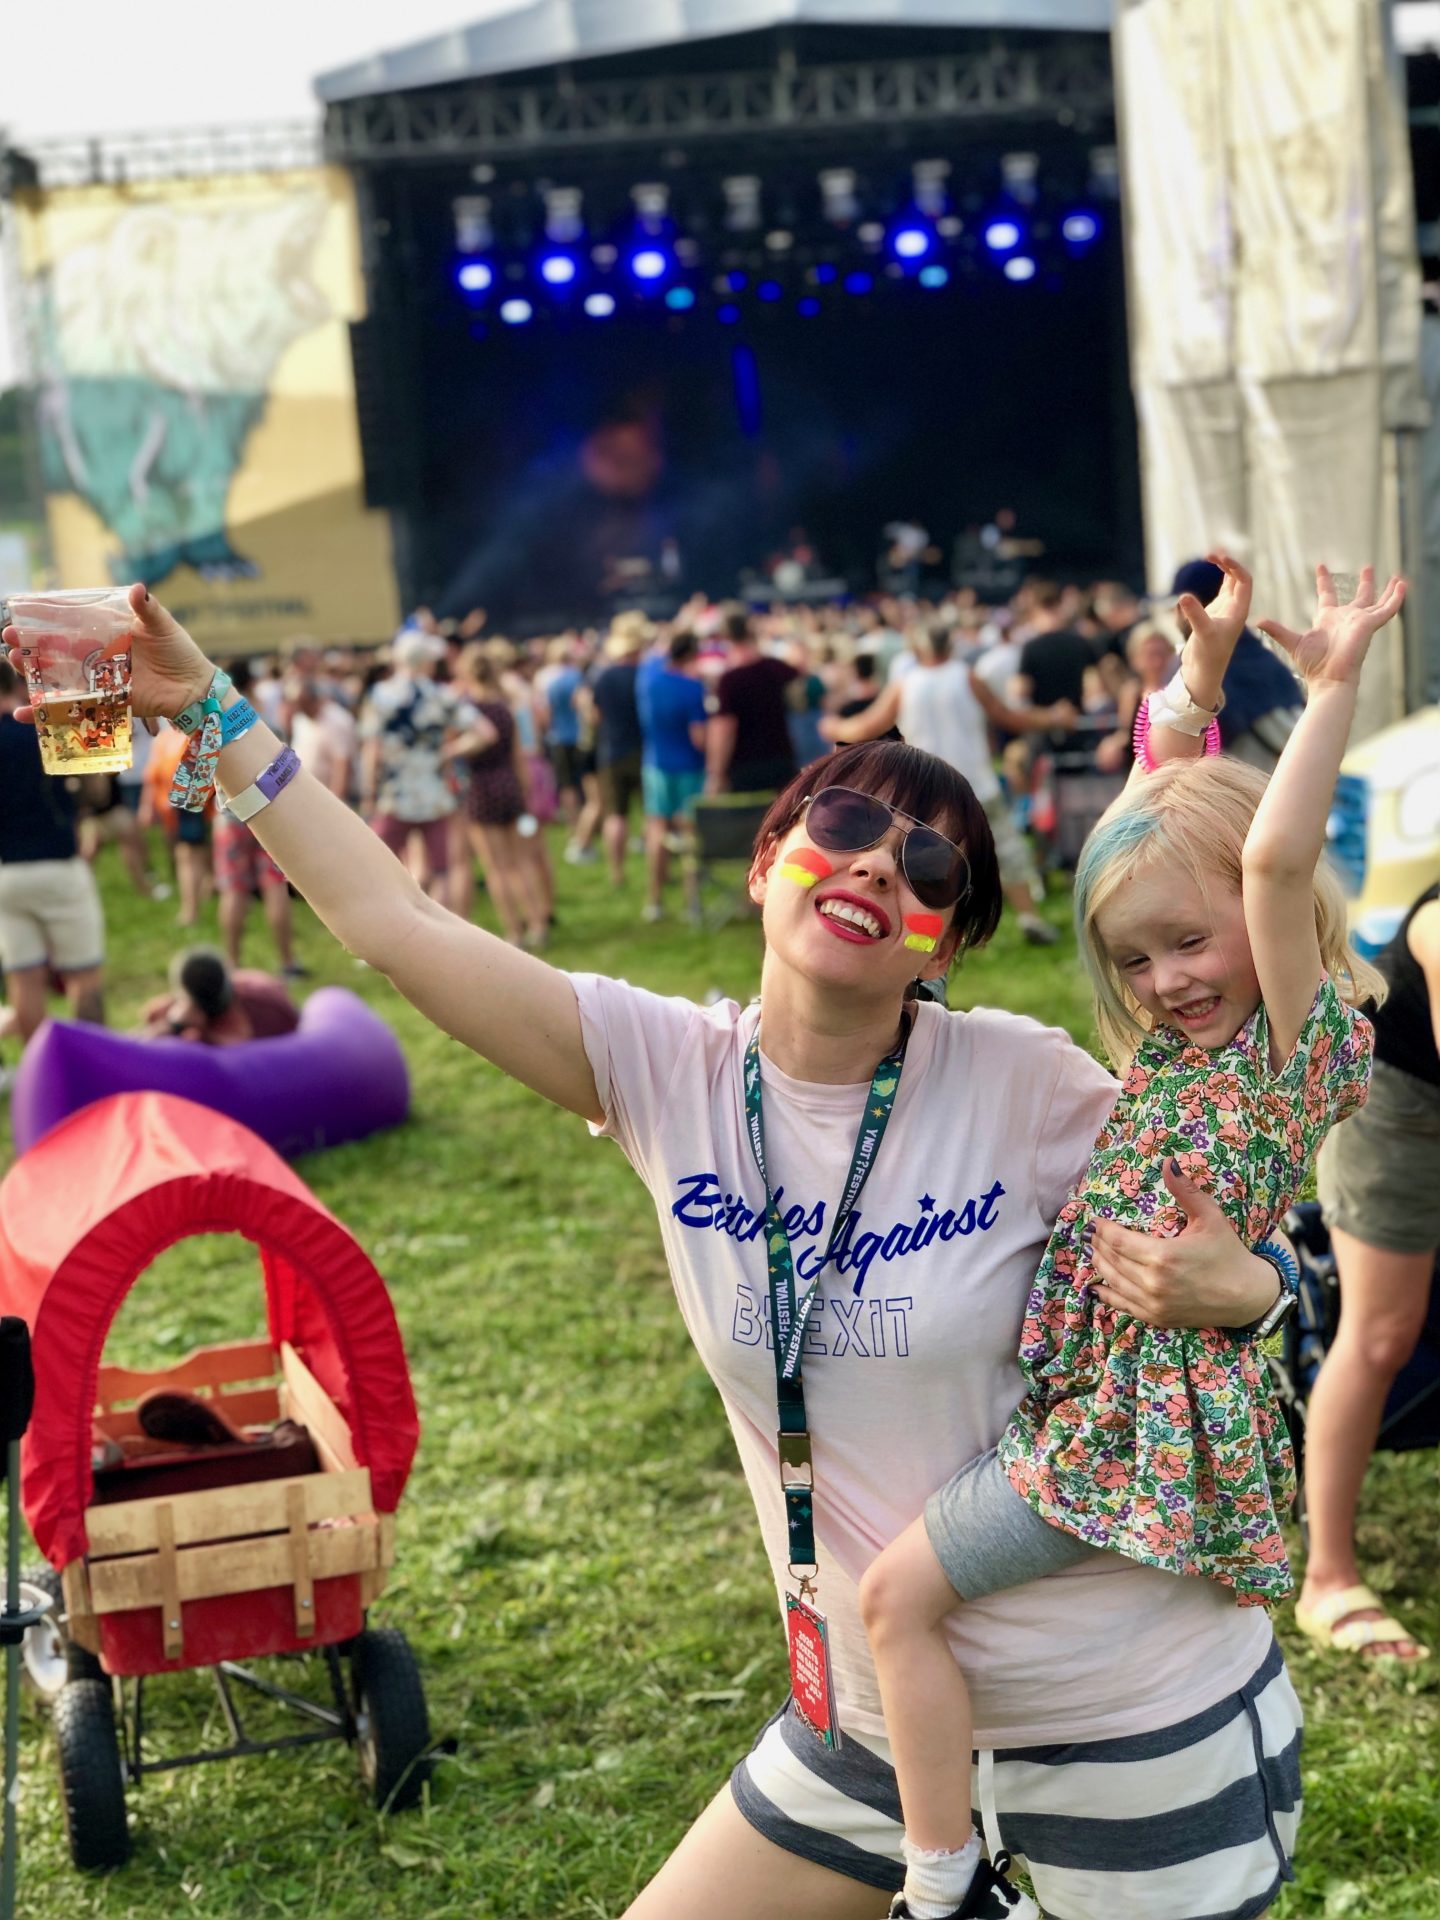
[1217, 950]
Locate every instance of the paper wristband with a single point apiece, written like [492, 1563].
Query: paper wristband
[805, 866]
[1141, 738]
[922, 931]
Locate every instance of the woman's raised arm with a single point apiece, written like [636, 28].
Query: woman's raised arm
[507, 1005]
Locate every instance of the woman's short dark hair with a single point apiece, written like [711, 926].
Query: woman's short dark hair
[925, 787]
[203, 975]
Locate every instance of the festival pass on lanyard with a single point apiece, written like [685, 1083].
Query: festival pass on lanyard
[810, 1680]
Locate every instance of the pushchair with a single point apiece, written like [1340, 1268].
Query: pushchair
[1411, 1420]
[271, 1529]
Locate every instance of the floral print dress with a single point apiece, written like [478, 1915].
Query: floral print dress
[1166, 1444]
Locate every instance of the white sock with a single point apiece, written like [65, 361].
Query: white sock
[938, 1879]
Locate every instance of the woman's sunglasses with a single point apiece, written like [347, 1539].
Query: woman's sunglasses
[841, 820]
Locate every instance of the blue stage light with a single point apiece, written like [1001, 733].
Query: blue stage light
[912, 243]
[728, 314]
[825, 273]
[809, 306]
[1020, 267]
[1080, 228]
[600, 306]
[934, 276]
[515, 312]
[858, 283]
[769, 290]
[679, 298]
[476, 276]
[557, 269]
[737, 282]
[649, 263]
[1002, 235]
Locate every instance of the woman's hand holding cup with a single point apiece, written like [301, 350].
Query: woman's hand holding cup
[167, 670]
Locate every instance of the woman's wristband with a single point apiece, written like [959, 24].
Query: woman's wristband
[189, 719]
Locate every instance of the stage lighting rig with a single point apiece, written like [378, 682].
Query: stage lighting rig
[1002, 235]
[839, 203]
[600, 306]
[474, 232]
[1019, 267]
[1021, 175]
[931, 191]
[742, 203]
[1080, 228]
[564, 221]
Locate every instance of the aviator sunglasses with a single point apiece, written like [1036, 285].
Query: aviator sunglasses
[842, 820]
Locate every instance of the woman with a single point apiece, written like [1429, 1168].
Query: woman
[1150, 655]
[495, 801]
[912, 1346]
[1381, 1201]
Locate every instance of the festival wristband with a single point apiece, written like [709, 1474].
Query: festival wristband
[267, 786]
[237, 721]
[1173, 706]
[189, 719]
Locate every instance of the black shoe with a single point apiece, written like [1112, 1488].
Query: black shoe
[991, 1897]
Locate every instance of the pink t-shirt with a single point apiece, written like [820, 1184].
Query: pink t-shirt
[910, 1361]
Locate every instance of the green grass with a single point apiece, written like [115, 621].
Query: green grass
[578, 1568]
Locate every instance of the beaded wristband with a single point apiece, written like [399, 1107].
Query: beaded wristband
[1140, 738]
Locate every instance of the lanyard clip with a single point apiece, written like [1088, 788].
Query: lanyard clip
[796, 1467]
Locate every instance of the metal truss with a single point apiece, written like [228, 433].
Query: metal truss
[1067, 82]
[119, 159]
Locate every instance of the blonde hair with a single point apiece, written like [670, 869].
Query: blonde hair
[476, 667]
[1192, 814]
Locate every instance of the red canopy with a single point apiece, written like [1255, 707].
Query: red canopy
[87, 1210]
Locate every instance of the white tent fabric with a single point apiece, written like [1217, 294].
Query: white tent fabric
[1274, 292]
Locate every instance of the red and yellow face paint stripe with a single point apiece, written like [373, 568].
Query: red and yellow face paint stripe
[805, 866]
[923, 930]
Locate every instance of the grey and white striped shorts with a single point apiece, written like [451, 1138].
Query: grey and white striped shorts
[1194, 1822]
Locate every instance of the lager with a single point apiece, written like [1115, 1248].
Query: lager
[84, 732]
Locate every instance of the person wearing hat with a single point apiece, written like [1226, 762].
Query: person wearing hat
[609, 702]
[1261, 698]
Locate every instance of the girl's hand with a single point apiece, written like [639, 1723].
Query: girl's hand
[1204, 1277]
[167, 669]
[1333, 651]
[1215, 629]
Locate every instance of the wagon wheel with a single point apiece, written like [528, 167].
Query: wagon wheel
[92, 1782]
[50, 1656]
[392, 1727]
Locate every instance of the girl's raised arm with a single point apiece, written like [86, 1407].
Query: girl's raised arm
[507, 1005]
[1287, 835]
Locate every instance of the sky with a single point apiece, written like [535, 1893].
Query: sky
[157, 65]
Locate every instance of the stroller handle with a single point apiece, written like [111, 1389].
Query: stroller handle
[17, 1378]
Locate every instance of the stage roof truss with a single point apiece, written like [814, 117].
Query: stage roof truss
[1067, 82]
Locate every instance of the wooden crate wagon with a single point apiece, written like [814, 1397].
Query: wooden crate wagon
[163, 1557]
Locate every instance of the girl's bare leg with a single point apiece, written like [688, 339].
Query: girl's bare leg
[904, 1599]
[490, 850]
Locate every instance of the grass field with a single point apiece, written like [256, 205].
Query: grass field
[578, 1569]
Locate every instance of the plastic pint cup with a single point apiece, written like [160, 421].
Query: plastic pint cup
[81, 701]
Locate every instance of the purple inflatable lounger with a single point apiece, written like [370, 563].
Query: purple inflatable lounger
[340, 1076]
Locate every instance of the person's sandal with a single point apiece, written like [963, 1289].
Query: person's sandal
[1329, 1625]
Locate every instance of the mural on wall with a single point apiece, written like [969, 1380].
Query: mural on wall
[196, 402]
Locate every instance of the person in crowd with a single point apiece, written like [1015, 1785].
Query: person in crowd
[243, 872]
[862, 691]
[217, 1005]
[1262, 696]
[1055, 658]
[672, 721]
[51, 921]
[747, 747]
[943, 707]
[497, 802]
[992, 1119]
[1150, 661]
[186, 834]
[407, 728]
[557, 686]
[109, 815]
[1225, 990]
[611, 704]
[322, 732]
[1380, 1196]
[516, 676]
[806, 702]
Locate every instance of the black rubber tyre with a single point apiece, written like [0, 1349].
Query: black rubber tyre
[393, 1727]
[49, 1656]
[92, 1786]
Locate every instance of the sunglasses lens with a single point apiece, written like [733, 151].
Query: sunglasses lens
[937, 872]
[845, 822]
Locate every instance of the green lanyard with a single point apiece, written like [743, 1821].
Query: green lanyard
[790, 1316]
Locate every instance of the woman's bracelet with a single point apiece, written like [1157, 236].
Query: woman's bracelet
[266, 786]
[1288, 1272]
[236, 722]
[190, 718]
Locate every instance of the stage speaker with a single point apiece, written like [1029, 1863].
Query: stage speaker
[384, 433]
